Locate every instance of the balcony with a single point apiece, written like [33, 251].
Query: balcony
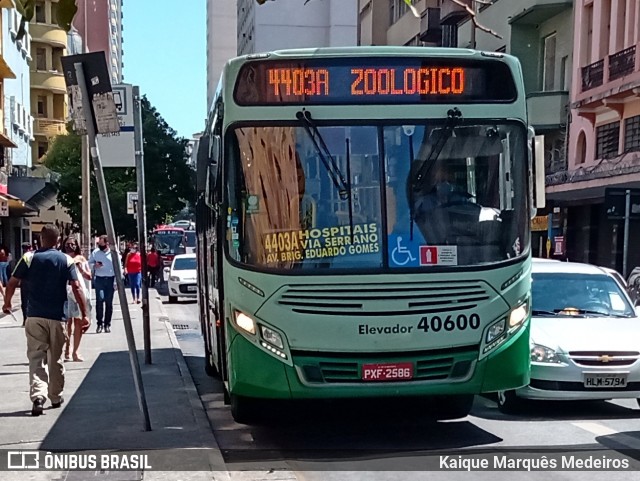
[535, 12]
[547, 110]
[430, 29]
[622, 63]
[49, 34]
[592, 75]
[451, 13]
[49, 127]
[51, 80]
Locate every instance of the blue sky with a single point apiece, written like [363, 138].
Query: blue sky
[165, 54]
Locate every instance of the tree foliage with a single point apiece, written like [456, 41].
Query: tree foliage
[66, 11]
[170, 182]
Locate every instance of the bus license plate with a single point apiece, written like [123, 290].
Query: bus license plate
[600, 380]
[399, 371]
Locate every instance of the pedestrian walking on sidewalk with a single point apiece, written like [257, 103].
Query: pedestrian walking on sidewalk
[24, 287]
[71, 247]
[5, 257]
[153, 265]
[133, 269]
[101, 264]
[48, 271]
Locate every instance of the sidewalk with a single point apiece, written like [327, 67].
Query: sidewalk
[101, 411]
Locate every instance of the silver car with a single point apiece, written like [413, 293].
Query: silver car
[585, 337]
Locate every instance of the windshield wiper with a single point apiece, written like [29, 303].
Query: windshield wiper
[324, 153]
[540, 312]
[454, 117]
[588, 311]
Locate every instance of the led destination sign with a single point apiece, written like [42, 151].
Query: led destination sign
[367, 80]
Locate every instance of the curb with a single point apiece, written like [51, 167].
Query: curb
[199, 413]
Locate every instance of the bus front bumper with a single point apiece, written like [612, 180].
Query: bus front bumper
[255, 373]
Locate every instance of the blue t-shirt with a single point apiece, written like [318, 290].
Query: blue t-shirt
[48, 272]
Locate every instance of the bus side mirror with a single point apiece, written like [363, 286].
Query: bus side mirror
[202, 160]
[538, 165]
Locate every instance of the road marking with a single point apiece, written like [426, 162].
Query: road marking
[596, 428]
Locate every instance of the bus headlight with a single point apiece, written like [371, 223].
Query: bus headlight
[518, 315]
[272, 337]
[245, 322]
[496, 330]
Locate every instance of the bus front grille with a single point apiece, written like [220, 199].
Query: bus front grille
[443, 364]
[384, 299]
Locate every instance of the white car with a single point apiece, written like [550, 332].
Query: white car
[183, 277]
[585, 337]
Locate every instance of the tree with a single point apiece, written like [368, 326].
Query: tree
[170, 182]
[66, 11]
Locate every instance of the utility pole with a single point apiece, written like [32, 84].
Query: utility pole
[87, 244]
[142, 219]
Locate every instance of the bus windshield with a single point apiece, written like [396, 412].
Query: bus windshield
[377, 196]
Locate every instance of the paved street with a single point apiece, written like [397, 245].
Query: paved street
[372, 441]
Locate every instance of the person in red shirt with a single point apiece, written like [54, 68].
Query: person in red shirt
[153, 265]
[133, 269]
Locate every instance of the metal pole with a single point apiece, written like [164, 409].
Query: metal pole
[87, 245]
[142, 220]
[115, 257]
[625, 248]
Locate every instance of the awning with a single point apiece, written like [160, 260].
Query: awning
[17, 207]
[5, 70]
[6, 142]
[7, 4]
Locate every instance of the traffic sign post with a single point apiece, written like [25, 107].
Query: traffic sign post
[118, 149]
[96, 95]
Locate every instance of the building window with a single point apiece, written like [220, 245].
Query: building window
[41, 58]
[397, 9]
[42, 149]
[549, 66]
[42, 106]
[581, 154]
[450, 36]
[40, 13]
[607, 139]
[54, 13]
[632, 134]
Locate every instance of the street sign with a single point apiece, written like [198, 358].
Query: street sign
[132, 201]
[100, 93]
[615, 203]
[118, 149]
[559, 245]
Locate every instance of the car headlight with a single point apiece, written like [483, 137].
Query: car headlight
[541, 353]
[496, 330]
[245, 322]
[272, 337]
[518, 315]
[174, 278]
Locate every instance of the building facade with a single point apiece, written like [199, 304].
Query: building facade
[604, 134]
[222, 42]
[294, 24]
[99, 23]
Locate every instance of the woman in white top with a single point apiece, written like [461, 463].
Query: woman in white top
[74, 319]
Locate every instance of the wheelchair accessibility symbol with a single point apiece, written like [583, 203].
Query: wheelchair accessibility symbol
[401, 254]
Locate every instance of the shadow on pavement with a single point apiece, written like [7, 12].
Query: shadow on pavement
[625, 443]
[348, 430]
[103, 412]
[557, 411]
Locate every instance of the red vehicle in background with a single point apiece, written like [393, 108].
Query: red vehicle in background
[169, 242]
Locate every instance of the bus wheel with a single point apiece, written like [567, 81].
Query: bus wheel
[454, 407]
[508, 402]
[173, 299]
[244, 409]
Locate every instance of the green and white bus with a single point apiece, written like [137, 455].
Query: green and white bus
[363, 226]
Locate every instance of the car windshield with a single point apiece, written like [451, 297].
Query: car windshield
[578, 295]
[377, 196]
[184, 264]
[169, 243]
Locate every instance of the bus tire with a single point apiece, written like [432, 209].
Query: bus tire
[508, 402]
[173, 299]
[245, 410]
[454, 407]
